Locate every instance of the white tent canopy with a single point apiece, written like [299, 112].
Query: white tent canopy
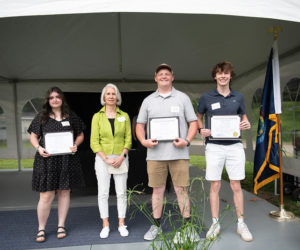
[81, 45]
[274, 9]
[125, 40]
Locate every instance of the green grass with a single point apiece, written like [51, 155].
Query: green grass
[266, 192]
[3, 144]
[198, 161]
[27, 163]
[13, 164]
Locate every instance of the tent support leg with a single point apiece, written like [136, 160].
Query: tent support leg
[17, 125]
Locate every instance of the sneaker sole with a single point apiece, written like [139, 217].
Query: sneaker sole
[244, 239]
[212, 237]
[104, 237]
[124, 235]
[148, 239]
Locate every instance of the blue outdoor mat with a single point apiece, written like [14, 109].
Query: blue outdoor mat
[18, 228]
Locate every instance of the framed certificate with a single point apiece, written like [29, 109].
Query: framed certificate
[224, 127]
[164, 128]
[59, 143]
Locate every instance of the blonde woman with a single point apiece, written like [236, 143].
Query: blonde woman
[111, 140]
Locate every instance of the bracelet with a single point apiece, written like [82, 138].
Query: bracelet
[37, 148]
[200, 130]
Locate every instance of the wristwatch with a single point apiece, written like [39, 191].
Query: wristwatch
[200, 130]
[188, 142]
[124, 155]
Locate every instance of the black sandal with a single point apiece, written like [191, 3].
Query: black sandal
[62, 232]
[40, 236]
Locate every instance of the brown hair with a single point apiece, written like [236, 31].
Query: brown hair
[226, 67]
[47, 110]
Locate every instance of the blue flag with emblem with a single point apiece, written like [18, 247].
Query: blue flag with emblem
[266, 160]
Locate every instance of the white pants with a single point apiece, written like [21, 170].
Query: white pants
[103, 178]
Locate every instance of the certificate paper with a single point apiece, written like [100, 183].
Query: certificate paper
[59, 143]
[225, 127]
[164, 128]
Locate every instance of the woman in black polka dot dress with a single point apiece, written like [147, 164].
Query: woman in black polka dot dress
[55, 173]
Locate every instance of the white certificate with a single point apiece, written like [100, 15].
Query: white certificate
[164, 128]
[59, 143]
[225, 127]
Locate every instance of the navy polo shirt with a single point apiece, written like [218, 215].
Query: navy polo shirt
[213, 103]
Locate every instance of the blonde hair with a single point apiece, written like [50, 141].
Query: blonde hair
[110, 85]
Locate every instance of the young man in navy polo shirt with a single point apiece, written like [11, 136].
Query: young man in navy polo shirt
[224, 101]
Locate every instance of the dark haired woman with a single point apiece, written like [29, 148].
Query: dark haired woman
[55, 173]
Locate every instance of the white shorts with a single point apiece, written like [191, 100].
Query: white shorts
[232, 156]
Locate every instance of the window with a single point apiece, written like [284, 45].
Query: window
[3, 135]
[290, 118]
[29, 111]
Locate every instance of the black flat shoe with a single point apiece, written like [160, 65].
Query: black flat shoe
[61, 234]
[42, 237]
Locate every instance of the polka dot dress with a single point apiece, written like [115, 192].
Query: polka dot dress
[60, 171]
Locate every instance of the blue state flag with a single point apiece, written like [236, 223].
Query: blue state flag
[266, 160]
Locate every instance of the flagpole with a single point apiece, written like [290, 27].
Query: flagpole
[281, 214]
[280, 160]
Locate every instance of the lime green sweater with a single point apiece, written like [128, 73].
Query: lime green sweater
[102, 138]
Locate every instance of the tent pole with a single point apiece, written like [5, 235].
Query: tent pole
[280, 159]
[17, 125]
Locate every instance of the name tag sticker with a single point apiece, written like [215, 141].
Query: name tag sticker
[121, 119]
[215, 106]
[65, 123]
[175, 109]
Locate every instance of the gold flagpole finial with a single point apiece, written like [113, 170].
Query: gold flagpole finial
[275, 30]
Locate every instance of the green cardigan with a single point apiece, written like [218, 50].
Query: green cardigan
[102, 138]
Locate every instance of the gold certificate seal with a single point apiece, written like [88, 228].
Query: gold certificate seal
[235, 134]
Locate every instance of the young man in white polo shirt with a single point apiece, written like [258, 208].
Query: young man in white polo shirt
[224, 101]
[164, 156]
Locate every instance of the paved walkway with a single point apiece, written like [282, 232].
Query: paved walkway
[16, 194]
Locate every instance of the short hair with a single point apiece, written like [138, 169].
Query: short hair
[110, 85]
[225, 66]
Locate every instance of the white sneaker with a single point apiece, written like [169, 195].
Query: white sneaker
[213, 231]
[123, 231]
[189, 233]
[193, 235]
[244, 232]
[152, 233]
[104, 233]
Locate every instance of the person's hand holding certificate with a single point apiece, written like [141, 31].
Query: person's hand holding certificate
[225, 127]
[164, 128]
[59, 143]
